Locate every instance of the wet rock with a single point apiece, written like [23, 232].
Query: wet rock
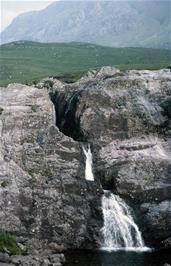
[57, 258]
[166, 244]
[55, 248]
[6, 264]
[4, 257]
[40, 260]
[24, 260]
[156, 219]
[45, 262]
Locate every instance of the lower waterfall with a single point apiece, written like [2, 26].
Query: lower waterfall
[119, 230]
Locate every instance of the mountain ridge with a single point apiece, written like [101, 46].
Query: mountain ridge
[109, 23]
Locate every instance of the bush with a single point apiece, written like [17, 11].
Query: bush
[8, 242]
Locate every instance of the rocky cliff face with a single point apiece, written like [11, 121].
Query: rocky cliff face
[43, 193]
[126, 119]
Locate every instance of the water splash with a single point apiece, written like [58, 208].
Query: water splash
[119, 230]
[89, 161]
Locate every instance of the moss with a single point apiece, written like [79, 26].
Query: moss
[1, 110]
[8, 242]
[30, 172]
[120, 103]
[33, 179]
[4, 183]
[46, 171]
[34, 108]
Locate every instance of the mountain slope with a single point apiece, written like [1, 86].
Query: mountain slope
[113, 23]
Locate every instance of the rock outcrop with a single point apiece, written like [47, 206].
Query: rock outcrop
[127, 119]
[44, 197]
[125, 116]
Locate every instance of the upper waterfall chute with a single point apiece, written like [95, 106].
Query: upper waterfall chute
[119, 230]
[89, 162]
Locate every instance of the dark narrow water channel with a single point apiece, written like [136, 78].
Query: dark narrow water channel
[119, 258]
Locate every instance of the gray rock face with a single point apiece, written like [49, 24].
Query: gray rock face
[126, 118]
[157, 220]
[43, 191]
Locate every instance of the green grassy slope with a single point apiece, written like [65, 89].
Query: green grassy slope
[26, 62]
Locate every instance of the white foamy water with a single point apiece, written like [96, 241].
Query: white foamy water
[119, 230]
[89, 161]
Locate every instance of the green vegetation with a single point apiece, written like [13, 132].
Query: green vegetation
[4, 183]
[34, 108]
[28, 62]
[33, 179]
[8, 242]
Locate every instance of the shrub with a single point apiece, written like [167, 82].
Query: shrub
[8, 242]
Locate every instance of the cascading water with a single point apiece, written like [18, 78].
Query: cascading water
[89, 161]
[119, 230]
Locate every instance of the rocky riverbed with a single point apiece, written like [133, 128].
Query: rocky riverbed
[125, 116]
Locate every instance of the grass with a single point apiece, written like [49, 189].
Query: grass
[28, 62]
[8, 242]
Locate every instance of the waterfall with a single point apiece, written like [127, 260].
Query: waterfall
[119, 230]
[89, 161]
